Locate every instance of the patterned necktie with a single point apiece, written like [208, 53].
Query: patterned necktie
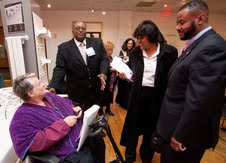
[185, 47]
[83, 52]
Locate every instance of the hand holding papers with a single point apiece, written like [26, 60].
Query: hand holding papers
[120, 66]
[89, 116]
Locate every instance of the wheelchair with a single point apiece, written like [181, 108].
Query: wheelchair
[96, 129]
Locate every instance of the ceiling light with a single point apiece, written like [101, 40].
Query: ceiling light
[92, 10]
[103, 13]
[165, 5]
[49, 5]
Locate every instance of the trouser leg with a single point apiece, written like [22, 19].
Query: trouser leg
[146, 151]
[130, 153]
[98, 147]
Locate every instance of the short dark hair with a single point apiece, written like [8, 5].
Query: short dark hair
[22, 85]
[196, 5]
[150, 29]
[124, 45]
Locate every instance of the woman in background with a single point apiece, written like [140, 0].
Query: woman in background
[107, 98]
[127, 47]
[123, 85]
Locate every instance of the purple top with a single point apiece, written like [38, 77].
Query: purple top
[29, 119]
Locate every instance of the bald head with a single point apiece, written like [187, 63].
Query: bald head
[79, 30]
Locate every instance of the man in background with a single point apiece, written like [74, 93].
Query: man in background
[191, 109]
[82, 65]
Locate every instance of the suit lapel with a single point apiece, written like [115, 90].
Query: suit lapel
[185, 53]
[76, 52]
[88, 45]
[179, 59]
[159, 56]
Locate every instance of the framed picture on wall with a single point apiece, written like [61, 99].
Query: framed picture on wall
[93, 34]
[14, 17]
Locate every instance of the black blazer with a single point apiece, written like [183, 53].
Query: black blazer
[194, 97]
[165, 59]
[80, 78]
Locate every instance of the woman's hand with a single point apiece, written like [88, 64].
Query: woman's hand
[78, 111]
[71, 120]
[52, 90]
[122, 75]
[112, 69]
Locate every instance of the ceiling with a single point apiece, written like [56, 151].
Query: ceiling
[216, 6]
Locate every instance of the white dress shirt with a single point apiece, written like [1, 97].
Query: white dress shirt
[82, 47]
[150, 68]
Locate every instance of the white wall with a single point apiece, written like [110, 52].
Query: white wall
[117, 26]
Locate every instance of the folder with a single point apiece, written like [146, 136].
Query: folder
[89, 116]
[120, 66]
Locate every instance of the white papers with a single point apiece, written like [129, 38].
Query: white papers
[89, 116]
[120, 66]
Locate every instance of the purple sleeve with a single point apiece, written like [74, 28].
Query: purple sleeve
[49, 136]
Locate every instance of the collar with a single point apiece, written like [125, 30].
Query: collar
[78, 43]
[155, 54]
[189, 42]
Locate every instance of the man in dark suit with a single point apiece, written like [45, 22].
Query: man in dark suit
[81, 65]
[191, 109]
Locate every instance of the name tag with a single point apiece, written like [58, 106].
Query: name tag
[90, 52]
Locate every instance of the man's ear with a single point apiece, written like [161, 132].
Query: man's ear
[202, 18]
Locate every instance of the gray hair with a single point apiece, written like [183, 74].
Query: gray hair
[22, 85]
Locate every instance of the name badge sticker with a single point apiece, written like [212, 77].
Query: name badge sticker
[90, 52]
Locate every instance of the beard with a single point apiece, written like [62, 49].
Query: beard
[190, 32]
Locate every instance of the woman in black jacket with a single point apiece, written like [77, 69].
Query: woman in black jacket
[150, 63]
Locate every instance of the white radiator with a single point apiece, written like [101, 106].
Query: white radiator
[16, 55]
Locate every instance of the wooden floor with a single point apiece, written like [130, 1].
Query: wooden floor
[116, 123]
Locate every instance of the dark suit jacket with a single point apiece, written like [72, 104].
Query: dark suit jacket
[194, 97]
[165, 59]
[81, 79]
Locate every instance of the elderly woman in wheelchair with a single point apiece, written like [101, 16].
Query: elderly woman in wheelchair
[47, 122]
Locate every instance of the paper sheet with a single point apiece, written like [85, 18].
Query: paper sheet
[120, 66]
[89, 116]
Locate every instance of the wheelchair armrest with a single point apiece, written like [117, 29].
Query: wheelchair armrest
[97, 126]
[44, 157]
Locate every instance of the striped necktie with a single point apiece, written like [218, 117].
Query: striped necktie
[83, 52]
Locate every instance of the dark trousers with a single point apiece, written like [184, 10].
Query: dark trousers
[92, 151]
[98, 147]
[82, 156]
[92, 97]
[168, 155]
[146, 152]
[146, 120]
